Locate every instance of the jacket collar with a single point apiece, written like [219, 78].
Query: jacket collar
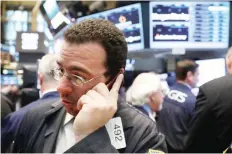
[53, 121]
[54, 118]
[50, 94]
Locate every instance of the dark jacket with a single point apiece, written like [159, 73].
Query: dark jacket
[40, 127]
[12, 121]
[6, 106]
[211, 126]
[175, 116]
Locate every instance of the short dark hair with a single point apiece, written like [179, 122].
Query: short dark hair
[183, 67]
[107, 35]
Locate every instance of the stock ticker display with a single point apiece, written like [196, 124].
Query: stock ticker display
[129, 20]
[189, 24]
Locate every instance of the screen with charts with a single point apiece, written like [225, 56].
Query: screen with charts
[190, 25]
[207, 72]
[129, 20]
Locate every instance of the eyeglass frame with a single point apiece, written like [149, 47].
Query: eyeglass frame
[52, 72]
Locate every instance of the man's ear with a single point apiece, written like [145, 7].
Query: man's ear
[40, 77]
[112, 79]
[189, 75]
[229, 66]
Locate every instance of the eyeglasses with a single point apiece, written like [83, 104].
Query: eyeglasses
[75, 79]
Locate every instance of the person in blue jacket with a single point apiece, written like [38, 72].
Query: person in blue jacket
[48, 84]
[178, 106]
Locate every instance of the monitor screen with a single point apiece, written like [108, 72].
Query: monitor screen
[51, 8]
[11, 77]
[129, 20]
[30, 42]
[190, 25]
[11, 80]
[56, 20]
[211, 69]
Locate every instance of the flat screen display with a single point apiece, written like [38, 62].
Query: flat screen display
[55, 19]
[129, 20]
[190, 25]
[11, 80]
[30, 42]
[210, 69]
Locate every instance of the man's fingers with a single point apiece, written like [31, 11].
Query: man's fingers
[116, 86]
[94, 94]
[102, 89]
[83, 100]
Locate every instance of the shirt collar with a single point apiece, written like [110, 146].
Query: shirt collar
[185, 84]
[68, 118]
[148, 109]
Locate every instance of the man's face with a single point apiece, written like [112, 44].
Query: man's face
[157, 99]
[84, 60]
[229, 65]
[195, 78]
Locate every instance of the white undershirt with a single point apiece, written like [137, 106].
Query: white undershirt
[66, 138]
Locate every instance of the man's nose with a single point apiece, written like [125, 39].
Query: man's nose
[64, 86]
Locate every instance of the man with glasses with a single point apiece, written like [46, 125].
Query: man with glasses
[89, 119]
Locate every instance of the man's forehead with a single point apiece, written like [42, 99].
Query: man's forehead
[67, 47]
[74, 66]
[72, 46]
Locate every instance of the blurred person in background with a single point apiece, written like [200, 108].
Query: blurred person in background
[49, 93]
[178, 106]
[210, 129]
[229, 61]
[12, 93]
[146, 94]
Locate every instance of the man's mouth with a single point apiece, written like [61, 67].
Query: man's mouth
[65, 102]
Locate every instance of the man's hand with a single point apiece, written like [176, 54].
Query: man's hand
[97, 107]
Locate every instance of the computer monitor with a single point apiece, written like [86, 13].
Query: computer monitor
[210, 69]
[189, 25]
[11, 77]
[55, 18]
[129, 20]
[11, 80]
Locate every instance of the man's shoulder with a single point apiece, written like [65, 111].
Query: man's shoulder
[36, 107]
[140, 131]
[218, 88]
[132, 117]
[222, 82]
[40, 109]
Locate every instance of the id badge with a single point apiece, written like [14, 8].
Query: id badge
[115, 130]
